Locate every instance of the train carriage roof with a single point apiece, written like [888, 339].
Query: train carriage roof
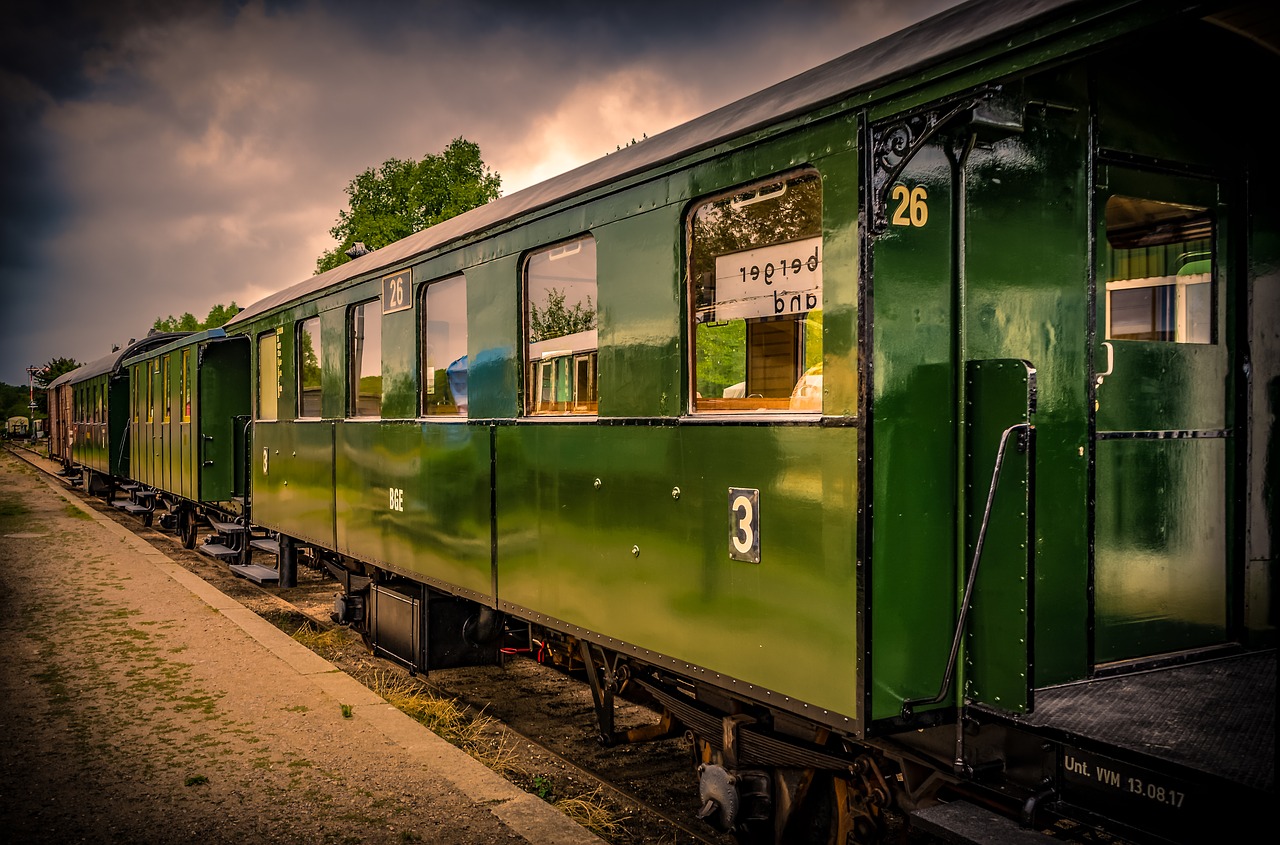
[962, 28]
[178, 341]
[110, 363]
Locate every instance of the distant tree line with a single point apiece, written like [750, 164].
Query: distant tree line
[218, 316]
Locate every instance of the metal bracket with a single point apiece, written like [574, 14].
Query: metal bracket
[985, 115]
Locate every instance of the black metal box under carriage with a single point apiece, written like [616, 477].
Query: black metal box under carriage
[423, 630]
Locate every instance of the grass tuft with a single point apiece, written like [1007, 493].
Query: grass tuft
[327, 644]
[590, 811]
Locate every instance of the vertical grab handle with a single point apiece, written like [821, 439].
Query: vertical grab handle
[1111, 361]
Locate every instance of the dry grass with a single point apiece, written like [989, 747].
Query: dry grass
[590, 811]
[477, 734]
[327, 644]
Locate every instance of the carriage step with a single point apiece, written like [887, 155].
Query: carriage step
[255, 573]
[130, 487]
[143, 494]
[229, 527]
[219, 551]
[962, 823]
[135, 508]
[120, 503]
[266, 544]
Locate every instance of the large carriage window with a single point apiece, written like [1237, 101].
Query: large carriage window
[444, 347]
[1159, 271]
[560, 329]
[269, 376]
[309, 368]
[755, 269]
[365, 362]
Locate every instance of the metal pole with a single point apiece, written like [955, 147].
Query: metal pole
[31, 403]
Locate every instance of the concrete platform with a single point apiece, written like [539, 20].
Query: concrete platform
[142, 704]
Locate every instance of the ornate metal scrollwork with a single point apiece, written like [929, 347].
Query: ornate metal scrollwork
[894, 143]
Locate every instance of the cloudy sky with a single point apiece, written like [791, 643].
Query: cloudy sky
[162, 156]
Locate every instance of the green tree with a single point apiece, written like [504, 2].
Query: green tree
[218, 316]
[555, 319]
[404, 196]
[55, 368]
[13, 401]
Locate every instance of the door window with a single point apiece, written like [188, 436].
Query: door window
[1159, 267]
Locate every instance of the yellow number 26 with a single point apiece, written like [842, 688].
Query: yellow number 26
[912, 210]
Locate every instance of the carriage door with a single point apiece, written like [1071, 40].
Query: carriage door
[1163, 417]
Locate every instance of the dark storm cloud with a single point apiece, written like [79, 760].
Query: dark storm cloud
[161, 157]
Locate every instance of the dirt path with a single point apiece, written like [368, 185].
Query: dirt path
[135, 712]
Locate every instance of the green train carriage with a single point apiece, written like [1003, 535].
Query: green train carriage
[904, 430]
[90, 433]
[187, 411]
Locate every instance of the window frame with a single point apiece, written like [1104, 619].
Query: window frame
[299, 369]
[804, 383]
[1178, 257]
[353, 373]
[185, 391]
[461, 412]
[165, 391]
[534, 371]
[274, 335]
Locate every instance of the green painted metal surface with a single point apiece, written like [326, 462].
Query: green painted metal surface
[416, 496]
[1026, 297]
[196, 454]
[292, 479]
[998, 638]
[101, 438]
[216, 441]
[643, 556]
[1163, 534]
[1161, 546]
[913, 592]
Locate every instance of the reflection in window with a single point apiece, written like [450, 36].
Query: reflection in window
[1159, 271]
[186, 386]
[365, 364]
[310, 364]
[151, 394]
[560, 326]
[268, 376]
[444, 348]
[164, 387]
[755, 267]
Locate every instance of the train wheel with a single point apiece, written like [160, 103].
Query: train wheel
[187, 527]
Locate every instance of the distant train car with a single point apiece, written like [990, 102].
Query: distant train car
[89, 408]
[58, 393]
[188, 407]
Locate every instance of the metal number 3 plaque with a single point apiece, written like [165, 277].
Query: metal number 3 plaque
[744, 524]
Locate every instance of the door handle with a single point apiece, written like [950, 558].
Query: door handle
[1111, 361]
